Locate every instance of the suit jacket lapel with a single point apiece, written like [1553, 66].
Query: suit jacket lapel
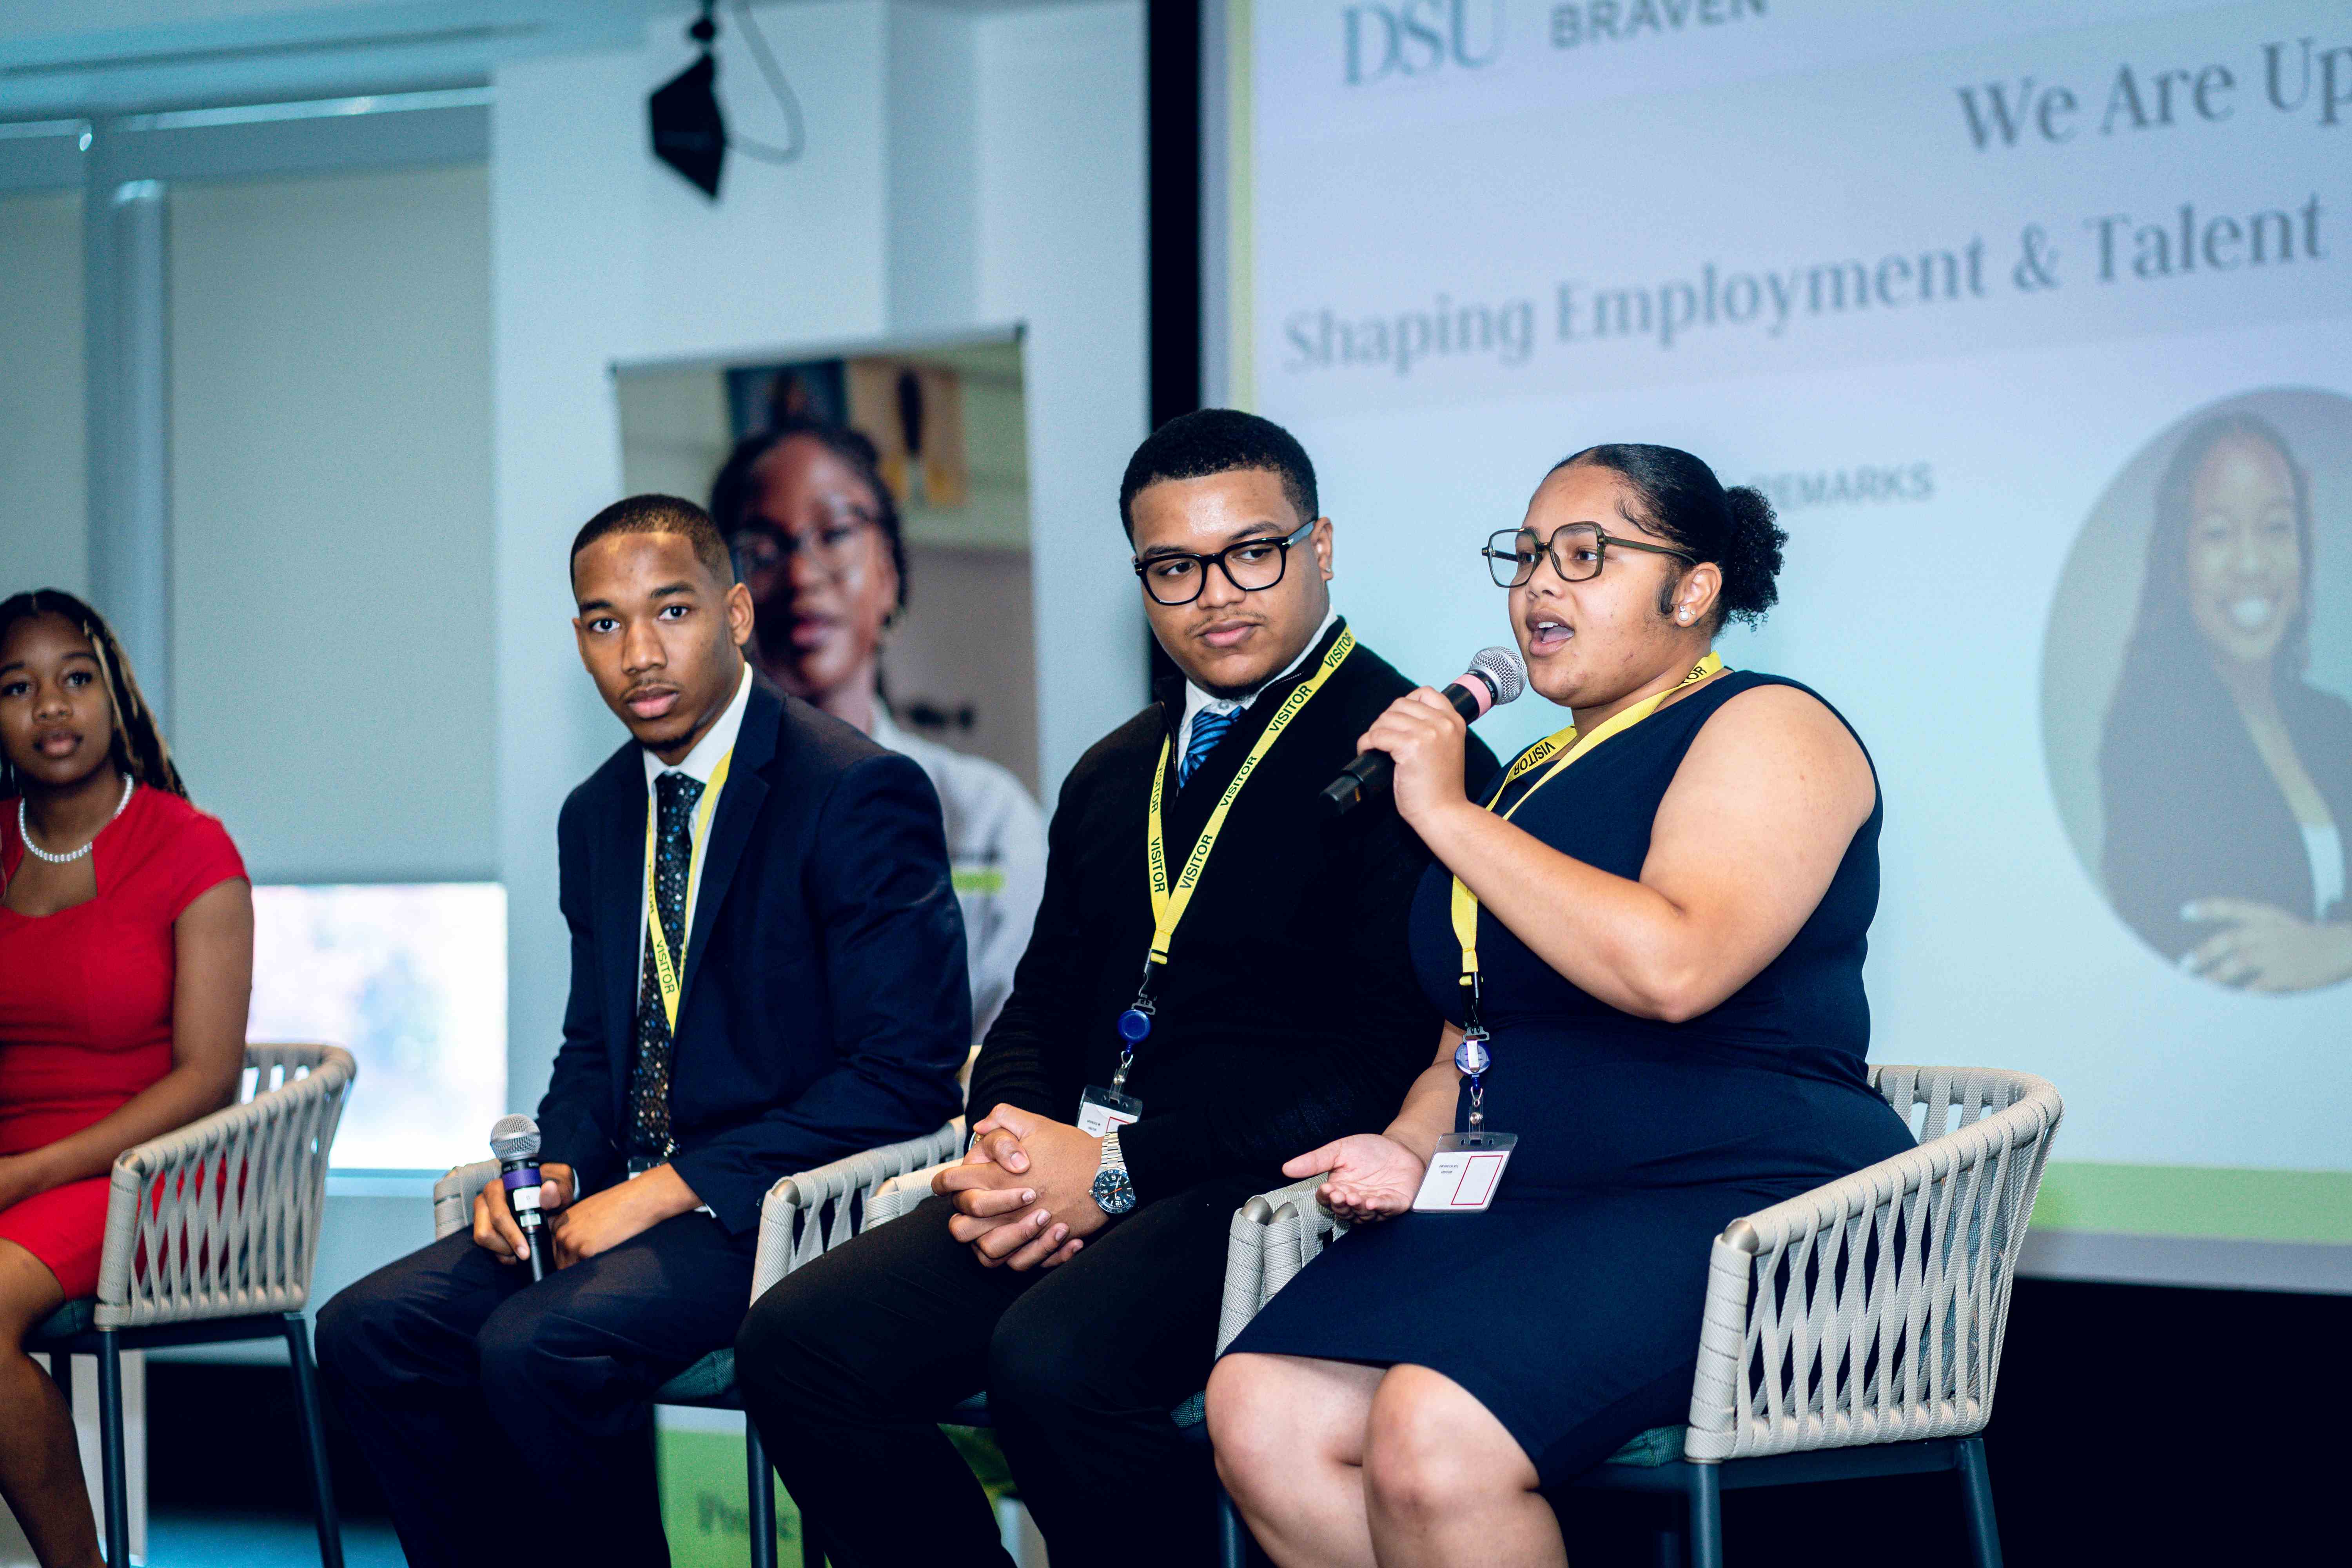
[731, 829]
[620, 894]
[1188, 812]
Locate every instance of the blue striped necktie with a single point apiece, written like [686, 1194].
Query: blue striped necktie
[1208, 727]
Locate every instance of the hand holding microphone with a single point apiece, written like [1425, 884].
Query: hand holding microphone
[510, 1214]
[1494, 677]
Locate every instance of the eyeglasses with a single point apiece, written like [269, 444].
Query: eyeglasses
[1253, 565]
[832, 543]
[1577, 551]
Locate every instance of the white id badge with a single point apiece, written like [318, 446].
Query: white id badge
[1464, 1173]
[1100, 1109]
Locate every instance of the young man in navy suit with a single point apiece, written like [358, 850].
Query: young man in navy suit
[767, 974]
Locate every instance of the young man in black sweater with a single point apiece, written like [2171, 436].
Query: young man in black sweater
[1188, 1016]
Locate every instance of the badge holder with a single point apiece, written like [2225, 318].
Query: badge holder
[1468, 1166]
[1099, 1109]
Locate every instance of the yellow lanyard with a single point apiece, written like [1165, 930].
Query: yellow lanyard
[667, 968]
[1168, 905]
[1565, 746]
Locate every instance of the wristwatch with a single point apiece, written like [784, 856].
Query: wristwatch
[1113, 1193]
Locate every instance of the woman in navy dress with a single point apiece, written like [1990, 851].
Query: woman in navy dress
[1669, 930]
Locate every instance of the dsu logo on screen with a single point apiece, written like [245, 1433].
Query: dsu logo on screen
[1415, 37]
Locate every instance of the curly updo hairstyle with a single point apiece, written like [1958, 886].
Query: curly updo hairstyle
[1678, 497]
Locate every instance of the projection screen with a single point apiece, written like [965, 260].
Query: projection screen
[2033, 321]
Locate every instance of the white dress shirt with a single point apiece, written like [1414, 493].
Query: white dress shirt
[996, 854]
[698, 765]
[1196, 700]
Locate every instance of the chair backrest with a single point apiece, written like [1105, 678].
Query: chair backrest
[221, 1219]
[454, 1195]
[1871, 1309]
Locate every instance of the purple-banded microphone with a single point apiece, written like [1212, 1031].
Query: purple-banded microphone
[515, 1140]
[1494, 677]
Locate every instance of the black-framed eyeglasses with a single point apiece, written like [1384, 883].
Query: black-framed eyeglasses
[832, 543]
[1253, 565]
[1577, 551]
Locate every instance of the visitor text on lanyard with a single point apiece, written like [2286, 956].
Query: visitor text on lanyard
[669, 968]
[1168, 901]
[1560, 749]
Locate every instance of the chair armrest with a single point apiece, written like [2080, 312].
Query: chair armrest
[221, 1219]
[454, 1195]
[1274, 1236]
[817, 1211]
[900, 1193]
[1871, 1309]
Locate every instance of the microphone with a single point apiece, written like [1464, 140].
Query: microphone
[1494, 677]
[515, 1140]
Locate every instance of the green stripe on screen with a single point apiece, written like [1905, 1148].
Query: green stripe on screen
[2227, 1202]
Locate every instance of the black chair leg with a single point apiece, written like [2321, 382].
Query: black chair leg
[1233, 1535]
[110, 1447]
[762, 1497]
[811, 1543]
[1706, 1517]
[1976, 1496]
[314, 1440]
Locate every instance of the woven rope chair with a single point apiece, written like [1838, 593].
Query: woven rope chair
[211, 1232]
[820, 1210]
[1852, 1331]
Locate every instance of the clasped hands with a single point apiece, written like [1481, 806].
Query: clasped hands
[1024, 1194]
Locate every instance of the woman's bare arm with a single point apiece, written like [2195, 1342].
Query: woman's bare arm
[1744, 845]
[1428, 1111]
[212, 945]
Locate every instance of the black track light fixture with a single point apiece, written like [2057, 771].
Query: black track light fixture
[689, 131]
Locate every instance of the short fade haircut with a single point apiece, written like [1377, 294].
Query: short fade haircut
[1219, 441]
[661, 514]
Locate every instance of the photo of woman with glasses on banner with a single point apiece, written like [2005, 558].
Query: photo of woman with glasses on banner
[817, 540]
[876, 505]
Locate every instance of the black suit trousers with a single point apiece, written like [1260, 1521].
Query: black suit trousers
[511, 1422]
[849, 1364]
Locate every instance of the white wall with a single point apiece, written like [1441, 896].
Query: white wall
[331, 455]
[1062, 247]
[44, 519]
[603, 255]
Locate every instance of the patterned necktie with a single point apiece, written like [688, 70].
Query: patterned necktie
[649, 1139]
[1208, 727]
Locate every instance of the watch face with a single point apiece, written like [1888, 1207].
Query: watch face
[1113, 1193]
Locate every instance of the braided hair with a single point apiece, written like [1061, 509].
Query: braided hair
[137, 747]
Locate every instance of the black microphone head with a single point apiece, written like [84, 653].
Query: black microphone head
[515, 1138]
[1503, 673]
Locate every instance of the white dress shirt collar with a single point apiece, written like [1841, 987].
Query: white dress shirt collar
[1197, 702]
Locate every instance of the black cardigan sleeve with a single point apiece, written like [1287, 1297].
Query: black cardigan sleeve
[1032, 1053]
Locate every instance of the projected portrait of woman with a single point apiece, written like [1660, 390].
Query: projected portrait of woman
[2225, 774]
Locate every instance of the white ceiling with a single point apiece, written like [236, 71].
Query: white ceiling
[73, 58]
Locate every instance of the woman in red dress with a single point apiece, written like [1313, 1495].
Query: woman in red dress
[126, 957]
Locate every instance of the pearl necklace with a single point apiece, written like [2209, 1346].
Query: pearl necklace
[38, 853]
